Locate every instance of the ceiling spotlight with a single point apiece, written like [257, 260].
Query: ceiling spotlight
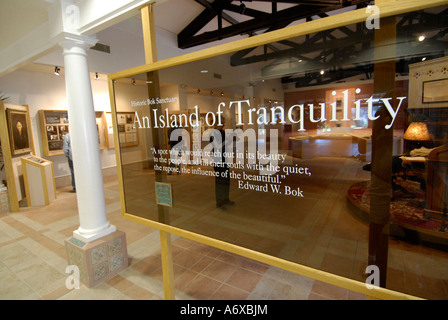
[133, 82]
[199, 91]
[322, 72]
[421, 38]
[424, 58]
[96, 76]
[56, 70]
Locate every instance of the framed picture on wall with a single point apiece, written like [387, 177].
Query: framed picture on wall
[435, 91]
[127, 133]
[54, 127]
[19, 128]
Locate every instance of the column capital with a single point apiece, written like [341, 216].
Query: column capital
[70, 40]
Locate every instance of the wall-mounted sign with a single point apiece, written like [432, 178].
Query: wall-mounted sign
[164, 194]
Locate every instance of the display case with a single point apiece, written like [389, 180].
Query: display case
[54, 126]
[38, 177]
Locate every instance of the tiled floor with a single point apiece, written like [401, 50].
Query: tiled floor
[33, 262]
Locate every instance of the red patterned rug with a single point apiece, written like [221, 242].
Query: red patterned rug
[406, 208]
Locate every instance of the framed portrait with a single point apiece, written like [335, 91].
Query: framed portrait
[19, 131]
[435, 91]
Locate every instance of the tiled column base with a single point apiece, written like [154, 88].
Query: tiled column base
[4, 201]
[98, 260]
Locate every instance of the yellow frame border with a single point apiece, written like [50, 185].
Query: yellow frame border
[387, 9]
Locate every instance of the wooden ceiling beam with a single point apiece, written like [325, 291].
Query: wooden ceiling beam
[259, 20]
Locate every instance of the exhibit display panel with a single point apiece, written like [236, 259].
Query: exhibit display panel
[54, 126]
[16, 141]
[38, 176]
[294, 148]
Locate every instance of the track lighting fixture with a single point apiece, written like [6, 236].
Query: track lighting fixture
[96, 76]
[56, 70]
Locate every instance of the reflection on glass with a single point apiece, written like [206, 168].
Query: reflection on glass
[266, 152]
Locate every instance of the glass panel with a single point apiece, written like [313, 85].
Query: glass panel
[298, 149]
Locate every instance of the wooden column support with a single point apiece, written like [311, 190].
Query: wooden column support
[382, 143]
[149, 39]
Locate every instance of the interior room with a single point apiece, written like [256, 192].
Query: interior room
[325, 134]
[336, 153]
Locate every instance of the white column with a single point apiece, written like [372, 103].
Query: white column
[84, 139]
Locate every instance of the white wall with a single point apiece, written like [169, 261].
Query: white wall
[47, 91]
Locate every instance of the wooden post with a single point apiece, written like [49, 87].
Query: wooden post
[149, 34]
[149, 38]
[382, 142]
